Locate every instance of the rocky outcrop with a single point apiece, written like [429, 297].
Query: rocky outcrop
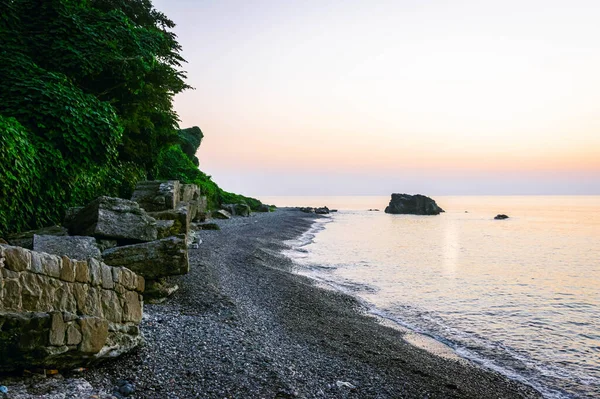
[237, 209]
[75, 247]
[113, 218]
[25, 239]
[320, 211]
[221, 214]
[152, 260]
[264, 208]
[56, 312]
[501, 217]
[412, 205]
[155, 196]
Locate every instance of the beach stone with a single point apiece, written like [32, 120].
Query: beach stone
[412, 204]
[25, 239]
[74, 336]
[322, 211]
[207, 226]
[158, 290]
[152, 260]
[221, 214]
[57, 330]
[165, 228]
[264, 208]
[11, 296]
[95, 270]
[67, 270]
[82, 274]
[180, 217]
[114, 218]
[111, 306]
[237, 209]
[75, 247]
[16, 259]
[23, 337]
[157, 195]
[189, 192]
[132, 307]
[501, 217]
[107, 278]
[94, 332]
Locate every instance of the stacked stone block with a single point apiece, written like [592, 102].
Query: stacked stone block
[59, 312]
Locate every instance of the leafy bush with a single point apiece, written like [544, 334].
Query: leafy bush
[19, 178]
[86, 107]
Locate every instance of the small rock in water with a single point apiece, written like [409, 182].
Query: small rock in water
[3, 389]
[501, 217]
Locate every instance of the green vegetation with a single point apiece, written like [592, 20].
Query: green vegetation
[86, 90]
[178, 162]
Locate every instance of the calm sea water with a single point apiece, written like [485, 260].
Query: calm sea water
[520, 296]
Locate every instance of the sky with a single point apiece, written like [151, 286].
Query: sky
[350, 97]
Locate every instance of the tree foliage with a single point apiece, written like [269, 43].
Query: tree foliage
[86, 106]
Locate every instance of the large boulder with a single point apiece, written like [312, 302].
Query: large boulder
[25, 239]
[152, 260]
[413, 205]
[237, 209]
[75, 247]
[189, 192]
[180, 217]
[221, 214]
[158, 195]
[114, 218]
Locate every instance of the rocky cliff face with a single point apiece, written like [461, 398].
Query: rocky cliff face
[413, 205]
[57, 312]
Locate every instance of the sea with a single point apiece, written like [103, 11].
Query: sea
[520, 296]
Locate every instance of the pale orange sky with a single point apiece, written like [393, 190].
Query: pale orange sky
[296, 94]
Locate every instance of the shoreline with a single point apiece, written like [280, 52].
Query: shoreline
[244, 325]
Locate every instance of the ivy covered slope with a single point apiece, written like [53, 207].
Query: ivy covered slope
[86, 90]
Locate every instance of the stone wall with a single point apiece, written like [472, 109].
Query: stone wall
[57, 312]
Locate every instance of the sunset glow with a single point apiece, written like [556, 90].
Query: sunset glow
[435, 88]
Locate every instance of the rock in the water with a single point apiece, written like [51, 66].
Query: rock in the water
[322, 211]
[114, 218]
[152, 260]
[156, 196]
[25, 239]
[413, 205]
[307, 209]
[501, 217]
[75, 247]
[237, 209]
[221, 214]
[373, 210]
